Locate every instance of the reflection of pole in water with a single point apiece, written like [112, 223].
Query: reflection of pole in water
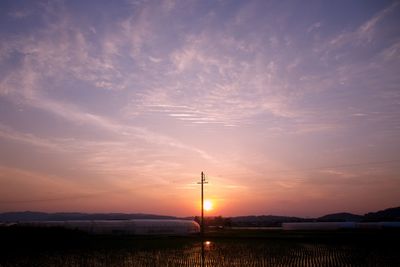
[202, 254]
[205, 245]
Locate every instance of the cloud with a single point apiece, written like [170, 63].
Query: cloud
[29, 186]
[392, 53]
[108, 161]
[224, 81]
[27, 138]
[361, 35]
[314, 27]
[222, 89]
[367, 30]
[63, 52]
[20, 13]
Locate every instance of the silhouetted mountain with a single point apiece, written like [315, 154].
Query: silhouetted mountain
[23, 216]
[392, 214]
[341, 217]
[63, 216]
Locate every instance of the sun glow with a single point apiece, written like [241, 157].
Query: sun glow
[208, 205]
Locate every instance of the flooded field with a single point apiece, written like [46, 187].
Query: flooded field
[222, 251]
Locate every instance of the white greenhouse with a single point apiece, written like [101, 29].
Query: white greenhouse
[129, 227]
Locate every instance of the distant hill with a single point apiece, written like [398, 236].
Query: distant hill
[341, 217]
[63, 216]
[392, 214]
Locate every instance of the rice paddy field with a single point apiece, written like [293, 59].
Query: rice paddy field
[46, 247]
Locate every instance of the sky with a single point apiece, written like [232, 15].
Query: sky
[289, 107]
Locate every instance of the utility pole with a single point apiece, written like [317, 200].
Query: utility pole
[202, 182]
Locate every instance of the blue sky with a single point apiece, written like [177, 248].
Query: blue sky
[290, 107]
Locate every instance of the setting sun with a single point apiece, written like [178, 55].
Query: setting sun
[208, 205]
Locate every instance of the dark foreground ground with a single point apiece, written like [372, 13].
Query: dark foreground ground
[58, 247]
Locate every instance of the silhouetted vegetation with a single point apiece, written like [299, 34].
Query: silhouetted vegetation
[392, 214]
[341, 217]
[217, 221]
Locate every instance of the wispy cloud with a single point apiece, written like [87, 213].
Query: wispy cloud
[27, 138]
[62, 52]
[34, 185]
[367, 30]
[364, 33]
